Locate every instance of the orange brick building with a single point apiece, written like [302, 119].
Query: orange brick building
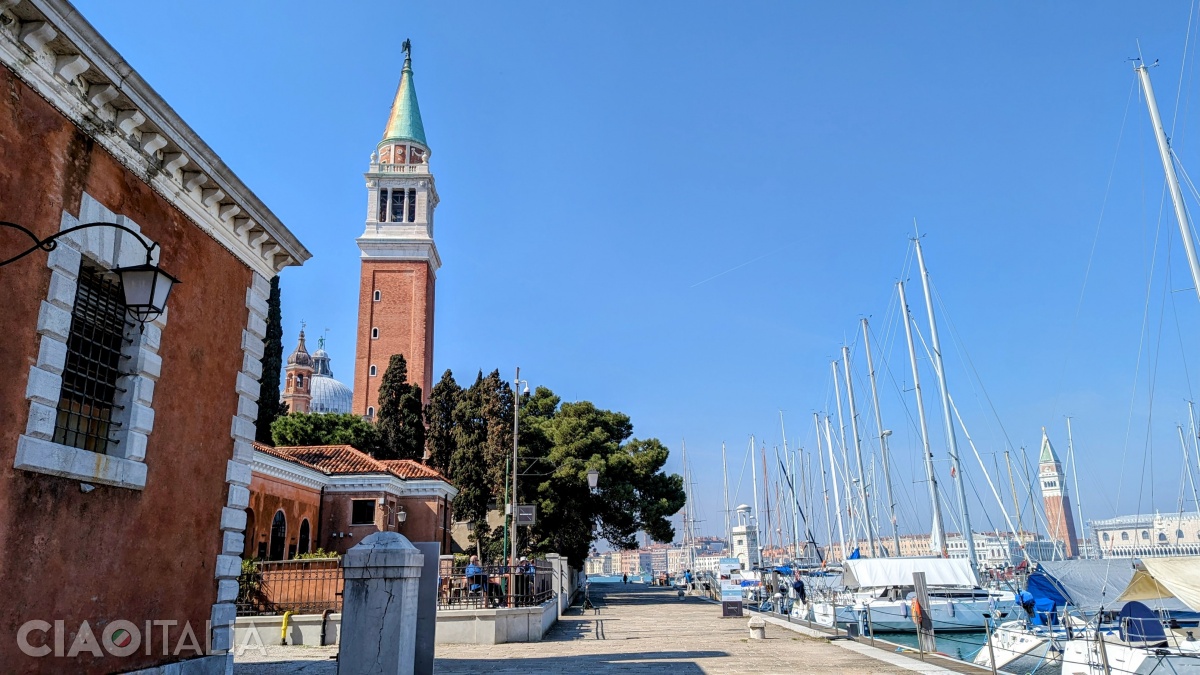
[399, 257]
[124, 448]
[331, 496]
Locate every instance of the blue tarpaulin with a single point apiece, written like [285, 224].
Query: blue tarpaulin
[1043, 586]
[855, 555]
[783, 570]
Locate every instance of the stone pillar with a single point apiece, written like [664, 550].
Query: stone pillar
[562, 581]
[379, 614]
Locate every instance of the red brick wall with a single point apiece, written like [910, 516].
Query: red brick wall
[113, 553]
[428, 520]
[404, 317]
[269, 495]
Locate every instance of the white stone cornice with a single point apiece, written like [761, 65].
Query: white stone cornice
[270, 465]
[396, 248]
[429, 487]
[94, 88]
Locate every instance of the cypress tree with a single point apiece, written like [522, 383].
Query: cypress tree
[439, 422]
[269, 405]
[400, 419]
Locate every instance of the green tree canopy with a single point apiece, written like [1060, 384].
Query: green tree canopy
[326, 429]
[633, 494]
[400, 417]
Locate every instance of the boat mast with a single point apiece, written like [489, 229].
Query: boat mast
[1195, 441]
[1075, 475]
[754, 484]
[1012, 486]
[1186, 465]
[850, 510]
[837, 504]
[725, 476]
[1164, 153]
[862, 477]
[951, 439]
[938, 543]
[883, 435]
[792, 484]
[824, 488]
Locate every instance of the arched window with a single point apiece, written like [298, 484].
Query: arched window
[1162, 536]
[1145, 535]
[1105, 536]
[278, 537]
[1179, 534]
[374, 333]
[1124, 536]
[303, 544]
[251, 535]
[372, 371]
[377, 296]
[370, 411]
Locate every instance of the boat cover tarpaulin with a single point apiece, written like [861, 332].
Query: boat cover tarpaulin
[882, 572]
[1086, 585]
[1166, 578]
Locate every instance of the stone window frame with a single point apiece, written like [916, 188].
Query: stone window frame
[125, 464]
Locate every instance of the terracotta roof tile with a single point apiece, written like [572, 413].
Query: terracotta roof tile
[407, 468]
[344, 459]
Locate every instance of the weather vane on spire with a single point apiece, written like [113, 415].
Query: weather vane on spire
[406, 46]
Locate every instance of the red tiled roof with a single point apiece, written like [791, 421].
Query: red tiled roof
[407, 468]
[344, 459]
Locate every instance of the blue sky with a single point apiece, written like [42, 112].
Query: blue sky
[682, 211]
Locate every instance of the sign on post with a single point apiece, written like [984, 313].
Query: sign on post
[729, 574]
[526, 514]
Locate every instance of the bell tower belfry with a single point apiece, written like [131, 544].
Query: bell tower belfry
[399, 257]
[1060, 521]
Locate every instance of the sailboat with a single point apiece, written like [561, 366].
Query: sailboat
[878, 592]
[1142, 642]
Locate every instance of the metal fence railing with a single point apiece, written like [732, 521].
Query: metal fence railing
[488, 586]
[309, 586]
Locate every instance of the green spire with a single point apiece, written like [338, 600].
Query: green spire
[1048, 454]
[404, 122]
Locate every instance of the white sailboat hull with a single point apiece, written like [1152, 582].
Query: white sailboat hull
[1020, 649]
[894, 616]
[1083, 657]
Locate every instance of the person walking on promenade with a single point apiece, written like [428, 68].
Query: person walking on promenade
[625, 578]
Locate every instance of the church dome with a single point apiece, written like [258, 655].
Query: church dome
[300, 357]
[329, 396]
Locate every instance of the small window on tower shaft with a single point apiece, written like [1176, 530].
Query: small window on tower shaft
[374, 333]
[383, 204]
[397, 206]
[377, 296]
[370, 411]
[412, 206]
[372, 371]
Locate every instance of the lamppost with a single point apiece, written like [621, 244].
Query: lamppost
[144, 286]
[517, 382]
[593, 479]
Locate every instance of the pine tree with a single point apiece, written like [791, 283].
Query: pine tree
[400, 417]
[269, 405]
[439, 422]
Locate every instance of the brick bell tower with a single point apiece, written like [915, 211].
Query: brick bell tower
[1060, 521]
[399, 258]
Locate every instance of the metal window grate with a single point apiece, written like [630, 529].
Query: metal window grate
[89, 382]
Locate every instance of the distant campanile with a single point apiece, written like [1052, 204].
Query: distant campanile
[1060, 521]
[399, 257]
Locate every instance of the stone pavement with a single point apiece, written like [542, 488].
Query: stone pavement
[635, 629]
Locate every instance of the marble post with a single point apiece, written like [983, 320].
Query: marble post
[379, 613]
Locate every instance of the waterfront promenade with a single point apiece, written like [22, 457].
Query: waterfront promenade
[634, 629]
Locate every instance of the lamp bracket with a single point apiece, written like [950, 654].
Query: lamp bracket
[50, 243]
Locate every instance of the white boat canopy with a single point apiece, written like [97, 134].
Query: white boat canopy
[1156, 578]
[882, 572]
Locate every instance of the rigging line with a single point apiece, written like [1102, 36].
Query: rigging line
[1095, 240]
[1183, 67]
[1152, 382]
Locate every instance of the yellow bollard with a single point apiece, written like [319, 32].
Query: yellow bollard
[283, 630]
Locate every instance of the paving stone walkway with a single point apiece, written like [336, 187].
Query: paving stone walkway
[635, 629]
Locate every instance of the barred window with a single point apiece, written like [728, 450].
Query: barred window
[383, 205]
[89, 381]
[412, 206]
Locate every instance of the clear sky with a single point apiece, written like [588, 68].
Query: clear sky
[681, 210]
